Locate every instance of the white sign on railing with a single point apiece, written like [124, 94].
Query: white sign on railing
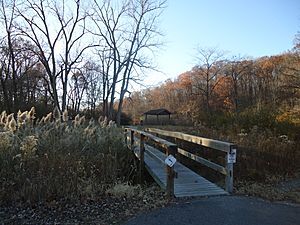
[231, 156]
[170, 161]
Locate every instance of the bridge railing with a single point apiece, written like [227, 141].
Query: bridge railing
[169, 148]
[228, 148]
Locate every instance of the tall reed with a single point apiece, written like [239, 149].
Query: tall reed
[57, 158]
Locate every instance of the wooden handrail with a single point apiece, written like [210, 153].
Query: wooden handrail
[203, 161]
[210, 143]
[163, 143]
[170, 148]
[142, 158]
[226, 147]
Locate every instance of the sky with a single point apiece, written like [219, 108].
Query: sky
[251, 28]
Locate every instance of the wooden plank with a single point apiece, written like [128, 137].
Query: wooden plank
[196, 188]
[162, 142]
[211, 143]
[181, 190]
[206, 191]
[155, 177]
[188, 182]
[160, 157]
[198, 185]
[203, 161]
[202, 184]
[142, 158]
[178, 190]
[194, 194]
[191, 184]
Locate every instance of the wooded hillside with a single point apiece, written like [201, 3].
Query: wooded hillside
[220, 91]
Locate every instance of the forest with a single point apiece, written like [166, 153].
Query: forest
[219, 92]
[75, 55]
[67, 55]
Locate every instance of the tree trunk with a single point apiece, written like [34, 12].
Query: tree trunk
[54, 92]
[14, 72]
[5, 93]
[64, 93]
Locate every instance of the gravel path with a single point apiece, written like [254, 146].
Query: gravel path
[226, 210]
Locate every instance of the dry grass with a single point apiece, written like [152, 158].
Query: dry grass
[264, 159]
[124, 190]
[267, 190]
[261, 153]
[55, 158]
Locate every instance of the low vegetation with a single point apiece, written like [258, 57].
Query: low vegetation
[266, 159]
[56, 158]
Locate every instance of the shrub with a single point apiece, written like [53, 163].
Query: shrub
[53, 158]
[263, 118]
[261, 153]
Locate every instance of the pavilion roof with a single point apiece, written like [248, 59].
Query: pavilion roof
[158, 112]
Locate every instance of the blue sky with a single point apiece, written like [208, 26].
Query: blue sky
[242, 27]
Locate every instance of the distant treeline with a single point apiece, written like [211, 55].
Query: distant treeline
[219, 91]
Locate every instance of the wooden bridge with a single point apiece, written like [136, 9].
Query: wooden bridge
[179, 180]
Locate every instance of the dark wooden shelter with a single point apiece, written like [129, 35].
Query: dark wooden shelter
[157, 116]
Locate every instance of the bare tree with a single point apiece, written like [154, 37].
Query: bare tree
[93, 88]
[109, 24]
[143, 36]
[18, 61]
[127, 33]
[78, 85]
[290, 79]
[57, 30]
[209, 67]
[106, 61]
[235, 68]
[8, 16]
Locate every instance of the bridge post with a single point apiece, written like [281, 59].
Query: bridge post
[229, 170]
[170, 150]
[125, 137]
[142, 154]
[131, 139]
[229, 177]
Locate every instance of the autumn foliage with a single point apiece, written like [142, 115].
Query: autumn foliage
[241, 92]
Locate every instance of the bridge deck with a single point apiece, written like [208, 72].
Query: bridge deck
[188, 183]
